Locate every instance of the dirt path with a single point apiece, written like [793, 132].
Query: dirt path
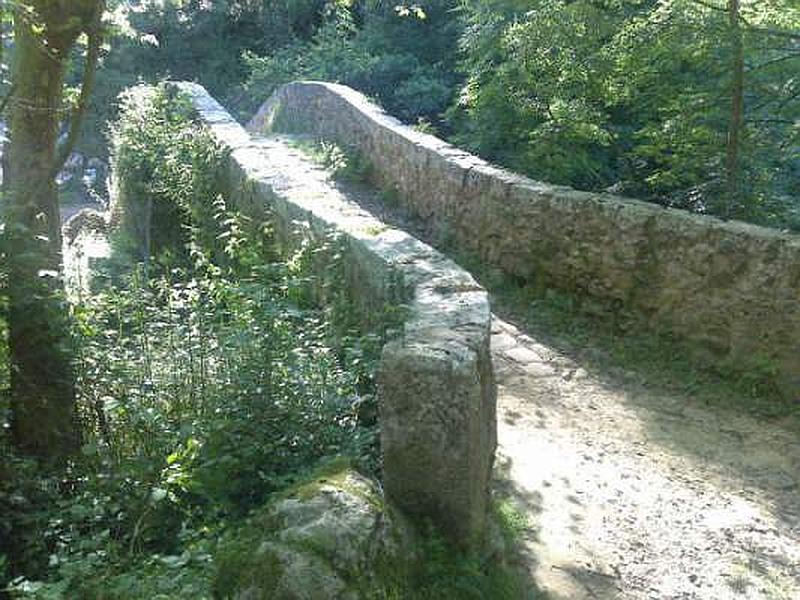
[635, 495]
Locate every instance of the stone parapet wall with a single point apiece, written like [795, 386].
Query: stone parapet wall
[436, 386]
[731, 289]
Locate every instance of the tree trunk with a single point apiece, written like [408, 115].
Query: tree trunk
[42, 384]
[43, 411]
[736, 121]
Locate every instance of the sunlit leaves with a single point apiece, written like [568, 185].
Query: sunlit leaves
[410, 10]
[634, 95]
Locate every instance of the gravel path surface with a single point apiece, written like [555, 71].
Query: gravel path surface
[632, 494]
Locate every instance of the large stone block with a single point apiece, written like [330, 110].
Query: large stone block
[437, 434]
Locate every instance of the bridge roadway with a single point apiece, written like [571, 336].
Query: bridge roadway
[638, 494]
[632, 492]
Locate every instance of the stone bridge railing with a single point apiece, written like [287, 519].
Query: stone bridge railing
[731, 289]
[436, 386]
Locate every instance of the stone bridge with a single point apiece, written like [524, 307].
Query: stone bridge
[625, 499]
[435, 382]
[730, 289]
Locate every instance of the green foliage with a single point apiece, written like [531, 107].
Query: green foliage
[343, 163]
[532, 97]
[206, 384]
[188, 40]
[405, 61]
[631, 96]
[437, 571]
[172, 174]
[634, 96]
[5, 374]
[444, 574]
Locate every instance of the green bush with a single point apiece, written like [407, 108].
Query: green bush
[206, 382]
[170, 175]
[406, 63]
[634, 97]
[190, 41]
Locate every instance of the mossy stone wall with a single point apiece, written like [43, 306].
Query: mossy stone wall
[436, 385]
[731, 289]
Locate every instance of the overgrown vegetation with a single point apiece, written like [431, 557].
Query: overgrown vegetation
[207, 378]
[205, 385]
[209, 382]
[344, 164]
[188, 40]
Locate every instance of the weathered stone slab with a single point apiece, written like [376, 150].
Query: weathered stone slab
[436, 386]
[327, 540]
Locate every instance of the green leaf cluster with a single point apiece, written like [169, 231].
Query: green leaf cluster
[634, 96]
[407, 63]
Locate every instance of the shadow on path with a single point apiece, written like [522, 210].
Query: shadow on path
[640, 494]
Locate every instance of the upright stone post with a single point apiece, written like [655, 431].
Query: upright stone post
[437, 413]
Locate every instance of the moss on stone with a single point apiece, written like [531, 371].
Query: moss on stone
[241, 566]
[337, 473]
[268, 556]
[375, 230]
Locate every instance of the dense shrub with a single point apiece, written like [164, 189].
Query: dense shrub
[189, 40]
[403, 59]
[170, 176]
[206, 383]
[635, 97]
